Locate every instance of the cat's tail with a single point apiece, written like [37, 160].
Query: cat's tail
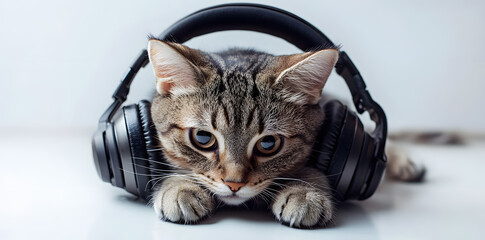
[436, 137]
[401, 167]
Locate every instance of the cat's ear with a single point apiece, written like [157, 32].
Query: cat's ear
[308, 74]
[175, 74]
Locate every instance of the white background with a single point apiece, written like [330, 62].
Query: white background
[423, 61]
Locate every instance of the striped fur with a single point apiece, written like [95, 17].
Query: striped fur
[240, 96]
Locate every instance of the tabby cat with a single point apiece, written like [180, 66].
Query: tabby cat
[237, 126]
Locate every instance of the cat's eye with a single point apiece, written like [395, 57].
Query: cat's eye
[202, 139]
[269, 145]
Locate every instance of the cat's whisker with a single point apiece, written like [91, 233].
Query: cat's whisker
[140, 174]
[161, 162]
[272, 191]
[310, 184]
[157, 162]
[335, 174]
[268, 194]
[278, 184]
[267, 199]
[161, 170]
[155, 150]
[191, 176]
[220, 204]
[167, 176]
[203, 181]
[294, 179]
[262, 197]
[316, 177]
[314, 185]
[156, 182]
[205, 188]
[151, 175]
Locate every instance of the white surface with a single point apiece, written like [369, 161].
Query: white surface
[49, 190]
[422, 60]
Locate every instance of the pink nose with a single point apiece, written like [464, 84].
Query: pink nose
[235, 186]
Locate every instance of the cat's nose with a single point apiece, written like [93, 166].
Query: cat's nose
[235, 186]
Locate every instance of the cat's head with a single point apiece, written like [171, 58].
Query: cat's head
[240, 118]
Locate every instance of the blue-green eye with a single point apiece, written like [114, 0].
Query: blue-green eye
[269, 145]
[202, 139]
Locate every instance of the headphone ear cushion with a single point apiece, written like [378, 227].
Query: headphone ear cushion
[152, 144]
[138, 154]
[326, 142]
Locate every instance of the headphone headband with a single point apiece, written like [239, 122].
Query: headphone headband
[264, 19]
[251, 17]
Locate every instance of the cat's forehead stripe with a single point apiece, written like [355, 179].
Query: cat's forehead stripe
[261, 123]
[226, 115]
[214, 120]
[251, 117]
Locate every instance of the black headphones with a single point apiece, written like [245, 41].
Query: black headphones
[126, 150]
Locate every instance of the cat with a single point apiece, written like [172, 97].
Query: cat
[238, 125]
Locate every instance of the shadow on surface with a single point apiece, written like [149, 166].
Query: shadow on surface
[132, 199]
[250, 213]
[353, 214]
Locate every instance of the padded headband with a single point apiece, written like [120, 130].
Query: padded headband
[252, 17]
[264, 19]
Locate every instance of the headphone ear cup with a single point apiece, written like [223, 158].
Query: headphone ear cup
[152, 144]
[146, 152]
[363, 170]
[138, 157]
[140, 151]
[345, 152]
[327, 139]
[113, 142]
[339, 146]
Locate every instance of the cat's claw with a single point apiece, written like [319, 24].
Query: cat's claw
[303, 208]
[182, 204]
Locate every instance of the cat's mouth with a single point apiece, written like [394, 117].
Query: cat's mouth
[232, 199]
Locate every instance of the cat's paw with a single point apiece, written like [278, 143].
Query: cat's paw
[400, 167]
[407, 171]
[183, 204]
[303, 207]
